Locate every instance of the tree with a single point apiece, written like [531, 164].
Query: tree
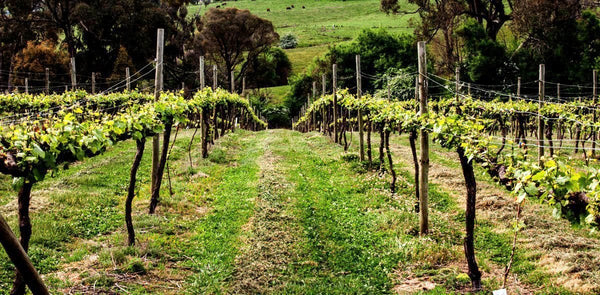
[18, 25]
[36, 57]
[493, 14]
[537, 21]
[272, 68]
[60, 13]
[486, 60]
[232, 38]
[439, 20]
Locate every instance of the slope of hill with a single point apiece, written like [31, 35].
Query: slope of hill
[317, 23]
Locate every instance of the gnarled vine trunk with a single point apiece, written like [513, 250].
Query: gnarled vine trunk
[471, 184]
[141, 144]
[412, 139]
[389, 156]
[161, 167]
[381, 146]
[24, 199]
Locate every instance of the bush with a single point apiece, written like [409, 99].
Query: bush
[278, 116]
[402, 85]
[36, 57]
[288, 41]
[271, 68]
[379, 51]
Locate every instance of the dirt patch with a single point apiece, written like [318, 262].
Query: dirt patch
[411, 285]
[268, 245]
[39, 201]
[566, 253]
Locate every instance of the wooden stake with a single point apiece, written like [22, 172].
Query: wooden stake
[19, 258]
[323, 112]
[335, 114]
[424, 136]
[360, 114]
[243, 86]
[214, 77]
[26, 86]
[93, 82]
[541, 98]
[519, 87]
[73, 74]
[314, 94]
[10, 69]
[457, 85]
[594, 95]
[232, 82]
[201, 72]
[558, 92]
[158, 84]
[47, 88]
[127, 79]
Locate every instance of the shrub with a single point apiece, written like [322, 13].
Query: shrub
[288, 41]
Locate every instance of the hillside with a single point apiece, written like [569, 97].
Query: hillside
[319, 24]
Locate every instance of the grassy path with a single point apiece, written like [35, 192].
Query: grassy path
[318, 226]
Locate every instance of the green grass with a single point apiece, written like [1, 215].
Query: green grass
[278, 94]
[314, 25]
[277, 212]
[302, 57]
[321, 23]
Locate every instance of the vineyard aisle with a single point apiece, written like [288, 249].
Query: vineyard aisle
[283, 212]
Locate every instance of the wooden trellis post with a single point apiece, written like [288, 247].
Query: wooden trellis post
[424, 136]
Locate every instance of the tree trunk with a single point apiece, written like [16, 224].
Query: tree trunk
[141, 144]
[25, 231]
[161, 167]
[469, 247]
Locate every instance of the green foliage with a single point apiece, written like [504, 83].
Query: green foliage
[278, 116]
[39, 146]
[401, 84]
[381, 52]
[272, 68]
[485, 58]
[300, 89]
[288, 41]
